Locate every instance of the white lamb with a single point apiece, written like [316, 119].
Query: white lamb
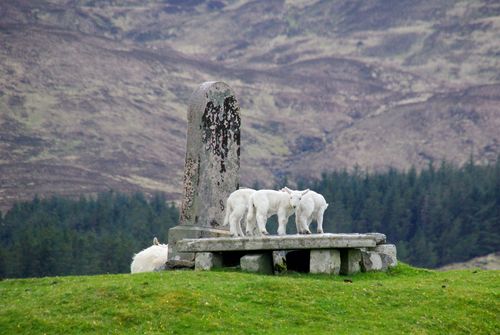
[311, 207]
[150, 259]
[265, 203]
[236, 208]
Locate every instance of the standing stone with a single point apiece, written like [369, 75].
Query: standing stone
[212, 164]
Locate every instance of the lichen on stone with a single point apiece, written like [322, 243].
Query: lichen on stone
[190, 172]
[221, 127]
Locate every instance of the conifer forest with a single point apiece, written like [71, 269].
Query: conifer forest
[435, 216]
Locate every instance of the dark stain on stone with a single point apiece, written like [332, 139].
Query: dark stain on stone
[198, 169]
[214, 223]
[191, 178]
[220, 125]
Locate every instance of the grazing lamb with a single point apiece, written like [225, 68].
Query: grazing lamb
[150, 259]
[311, 207]
[236, 208]
[265, 203]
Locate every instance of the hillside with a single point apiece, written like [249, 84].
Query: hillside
[94, 94]
[407, 300]
[488, 262]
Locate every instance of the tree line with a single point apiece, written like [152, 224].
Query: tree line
[435, 216]
[61, 236]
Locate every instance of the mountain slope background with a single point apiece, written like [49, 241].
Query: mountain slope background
[93, 94]
[487, 262]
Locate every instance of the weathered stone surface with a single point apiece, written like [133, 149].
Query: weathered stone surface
[325, 261]
[379, 237]
[371, 261]
[212, 164]
[388, 261]
[279, 261]
[207, 260]
[388, 249]
[350, 261]
[179, 265]
[193, 232]
[388, 254]
[261, 263]
[285, 242]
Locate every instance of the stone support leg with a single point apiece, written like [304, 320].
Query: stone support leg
[260, 263]
[388, 254]
[279, 261]
[325, 261]
[350, 261]
[205, 261]
[371, 261]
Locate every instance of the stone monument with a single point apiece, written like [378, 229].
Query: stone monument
[212, 165]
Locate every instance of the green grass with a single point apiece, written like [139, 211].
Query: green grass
[403, 301]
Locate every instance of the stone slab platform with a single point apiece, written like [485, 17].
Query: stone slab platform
[274, 242]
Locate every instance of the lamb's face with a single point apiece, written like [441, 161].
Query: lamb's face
[295, 198]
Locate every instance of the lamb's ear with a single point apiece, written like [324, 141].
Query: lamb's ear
[287, 190]
[303, 193]
[155, 241]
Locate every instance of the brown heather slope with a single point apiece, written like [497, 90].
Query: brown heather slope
[93, 95]
[487, 262]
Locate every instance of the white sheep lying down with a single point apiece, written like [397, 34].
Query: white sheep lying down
[236, 208]
[311, 207]
[150, 259]
[265, 203]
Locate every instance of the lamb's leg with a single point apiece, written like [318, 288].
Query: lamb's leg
[240, 230]
[301, 222]
[261, 223]
[304, 227]
[297, 224]
[236, 216]
[304, 214]
[298, 220]
[282, 221]
[250, 222]
[232, 225]
[319, 220]
[306, 224]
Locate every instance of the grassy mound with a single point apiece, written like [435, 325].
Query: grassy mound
[405, 300]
